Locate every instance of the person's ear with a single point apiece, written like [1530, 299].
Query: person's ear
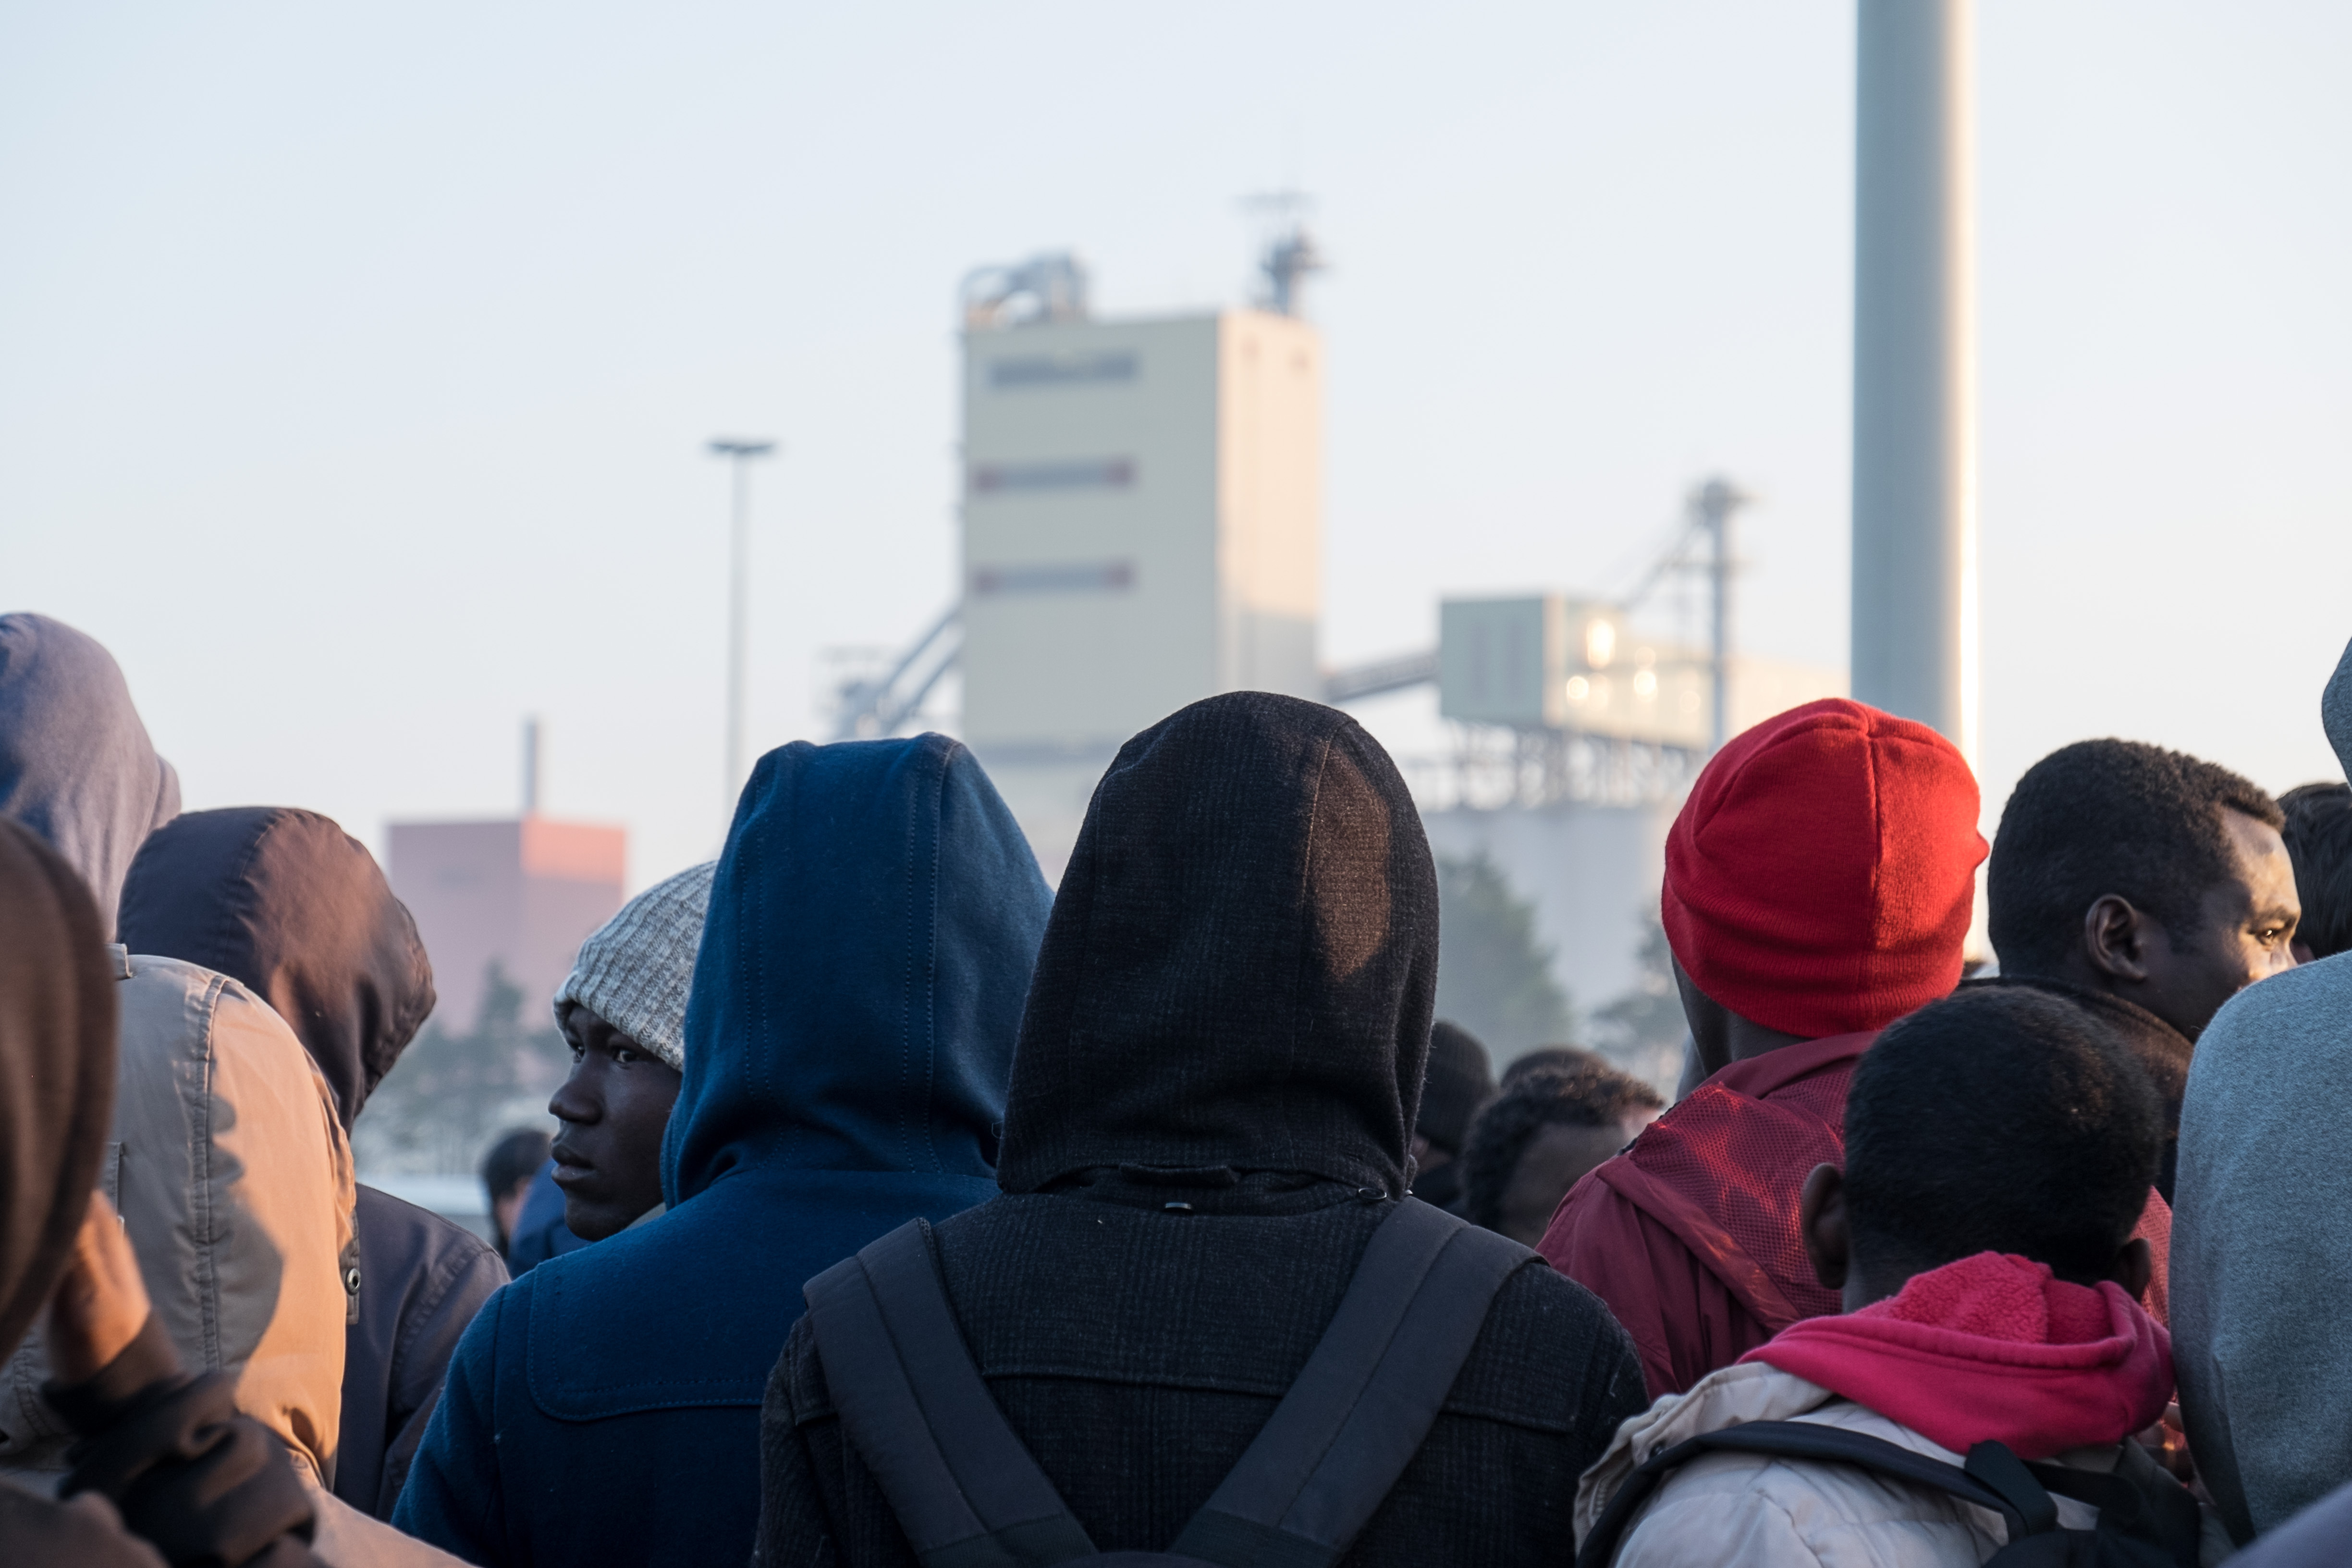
[2134, 1266]
[1821, 1220]
[2115, 937]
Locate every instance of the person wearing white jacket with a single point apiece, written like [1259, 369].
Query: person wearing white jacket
[1999, 1150]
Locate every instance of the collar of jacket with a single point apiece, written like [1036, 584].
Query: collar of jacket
[2162, 1049]
[1755, 1391]
[1219, 1189]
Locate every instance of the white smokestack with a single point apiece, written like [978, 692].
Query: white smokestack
[1915, 367]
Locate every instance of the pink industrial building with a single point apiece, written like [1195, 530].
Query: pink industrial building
[522, 893]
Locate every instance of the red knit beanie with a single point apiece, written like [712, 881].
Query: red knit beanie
[1819, 877]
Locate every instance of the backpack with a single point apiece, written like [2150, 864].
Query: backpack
[2141, 1525]
[968, 1495]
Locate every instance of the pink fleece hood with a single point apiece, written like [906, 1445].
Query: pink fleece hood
[1993, 1347]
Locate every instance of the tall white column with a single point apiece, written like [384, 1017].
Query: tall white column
[1915, 365]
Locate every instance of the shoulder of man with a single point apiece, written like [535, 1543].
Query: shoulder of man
[1591, 1375]
[452, 1497]
[1752, 1508]
[1603, 1241]
[418, 1252]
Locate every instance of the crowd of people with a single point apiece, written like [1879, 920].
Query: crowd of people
[905, 1211]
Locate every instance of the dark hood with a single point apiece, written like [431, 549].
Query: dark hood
[2162, 1052]
[1241, 962]
[872, 927]
[296, 909]
[76, 765]
[57, 1070]
[1459, 1083]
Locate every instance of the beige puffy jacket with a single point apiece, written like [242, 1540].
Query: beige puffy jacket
[1742, 1510]
[234, 1182]
[233, 1179]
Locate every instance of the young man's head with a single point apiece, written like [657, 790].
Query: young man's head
[1819, 879]
[615, 1107]
[1547, 1128]
[2318, 835]
[2000, 1120]
[623, 1012]
[1552, 1058]
[507, 1171]
[2143, 873]
[1460, 1078]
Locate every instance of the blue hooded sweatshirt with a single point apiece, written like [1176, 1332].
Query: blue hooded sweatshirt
[873, 925]
[76, 765]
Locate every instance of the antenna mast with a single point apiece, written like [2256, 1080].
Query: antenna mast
[1291, 252]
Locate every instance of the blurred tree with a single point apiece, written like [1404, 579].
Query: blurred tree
[1493, 977]
[1643, 1030]
[450, 1094]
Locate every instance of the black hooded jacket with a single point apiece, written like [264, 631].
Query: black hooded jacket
[290, 905]
[165, 1460]
[1211, 1109]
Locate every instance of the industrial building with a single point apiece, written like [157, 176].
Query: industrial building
[1142, 519]
[1569, 770]
[1142, 527]
[521, 893]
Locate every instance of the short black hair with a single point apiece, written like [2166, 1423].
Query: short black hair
[1552, 1058]
[2109, 816]
[1459, 1079]
[1597, 1094]
[2318, 835]
[517, 1155]
[1999, 1120]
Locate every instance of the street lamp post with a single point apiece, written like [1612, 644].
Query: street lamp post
[740, 450]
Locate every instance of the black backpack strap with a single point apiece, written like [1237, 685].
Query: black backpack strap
[1832, 1444]
[965, 1489]
[1999, 1468]
[2160, 1511]
[1356, 1415]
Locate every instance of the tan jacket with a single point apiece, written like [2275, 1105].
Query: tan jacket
[1742, 1510]
[233, 1179]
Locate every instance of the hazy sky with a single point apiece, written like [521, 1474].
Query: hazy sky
[355, 362]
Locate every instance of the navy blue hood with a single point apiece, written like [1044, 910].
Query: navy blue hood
[873, 925]
[76, 765]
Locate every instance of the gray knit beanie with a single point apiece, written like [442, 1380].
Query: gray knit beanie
[634, 972]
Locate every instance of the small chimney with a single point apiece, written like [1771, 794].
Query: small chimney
[531, 767]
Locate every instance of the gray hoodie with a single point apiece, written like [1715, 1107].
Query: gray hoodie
[2262, 1237]
[76, 765]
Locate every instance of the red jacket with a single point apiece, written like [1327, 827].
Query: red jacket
[1690, 1235]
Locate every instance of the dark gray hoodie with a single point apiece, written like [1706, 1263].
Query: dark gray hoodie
[76, 765]
[2262, 1240]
